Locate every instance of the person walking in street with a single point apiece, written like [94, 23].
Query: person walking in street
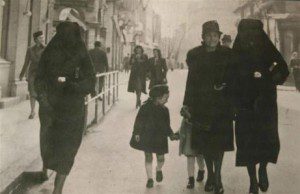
[139, 69]
[30, 66]
[158, 69]
[191, 154]
[126, 63]
[295, 67]
[226, 41]
[208, 102]
[64, 77]
[99, 59]
[260, 68]
[152, 129]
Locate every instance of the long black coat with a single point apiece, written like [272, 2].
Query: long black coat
[153, 125]
[257, 137]
[158, 71]
[139, 69]
[62, 104]
[208, 106]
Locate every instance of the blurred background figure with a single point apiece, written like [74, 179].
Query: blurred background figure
[137, 79]
[295, 67]
[158, 69]
[226, 41]
[30, 66]
[99, 59]
[126, 63]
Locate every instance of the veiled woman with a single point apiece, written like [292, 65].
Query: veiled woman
[260, 68]
[65, 76]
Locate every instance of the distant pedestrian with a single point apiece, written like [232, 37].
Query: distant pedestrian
[139, 69]
[126, 63]
[295, 66]
[30, 67]
[260, 68]
[65, 76]
[158, 69]
[192, 155]
[208, 101]
[99, 59]
[226, 41]
[152, 129]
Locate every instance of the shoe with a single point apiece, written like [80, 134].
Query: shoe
[263, 180]
[219, 189]
[159, 176]
[31, 116]
[150, 183]
[253, 189]
[191, 183]
[200, 175]
[209, 185]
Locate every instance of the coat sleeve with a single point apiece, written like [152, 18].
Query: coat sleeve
[87, 84]
[140, 121]
[280, 72]
[188, 96]
[40, 82]
[26, 63]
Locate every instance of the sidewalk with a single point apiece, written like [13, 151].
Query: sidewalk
[19, 145]
[106, 164]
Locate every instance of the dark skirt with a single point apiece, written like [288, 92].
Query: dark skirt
[218, 139]
[61, 134]
[257, 138]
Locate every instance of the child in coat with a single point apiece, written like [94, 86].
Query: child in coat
[192, 155]
[152, 129]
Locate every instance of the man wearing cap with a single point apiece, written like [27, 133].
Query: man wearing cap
[99, 59]
[226, 41]
[30, 66]
[208, 101]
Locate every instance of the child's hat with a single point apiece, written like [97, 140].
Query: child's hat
[158, 90]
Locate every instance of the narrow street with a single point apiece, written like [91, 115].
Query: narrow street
[106, 164]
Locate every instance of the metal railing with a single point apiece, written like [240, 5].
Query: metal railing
[97, 106]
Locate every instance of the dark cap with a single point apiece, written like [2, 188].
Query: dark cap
[211, 26]
[158, 90]
[247, 25]
[226, 38]
[97, 44]
[37, 34]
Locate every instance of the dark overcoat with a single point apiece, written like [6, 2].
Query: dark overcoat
[153, 125]
[257, 137]
[158, 71]
[61, 107]
[99, 59]
[209, 105]
[139, 69]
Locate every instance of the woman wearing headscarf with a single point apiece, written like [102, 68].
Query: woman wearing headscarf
[65, 76]
[207, 101]
[137, 79]
[260, 68]
[295, 67]
[158, 69]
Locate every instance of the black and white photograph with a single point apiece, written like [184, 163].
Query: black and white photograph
[149, 96]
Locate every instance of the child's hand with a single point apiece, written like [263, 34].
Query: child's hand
[137, 138]
[174, 136]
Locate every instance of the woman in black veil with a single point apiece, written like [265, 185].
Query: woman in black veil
[65, 76]
[260, 68]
